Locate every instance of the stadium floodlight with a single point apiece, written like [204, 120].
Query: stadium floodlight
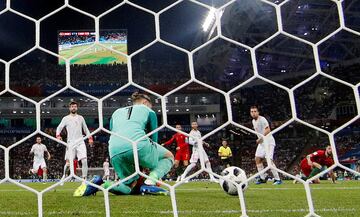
[209, 20]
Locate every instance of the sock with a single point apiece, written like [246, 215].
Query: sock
[163, 167]
[275, 174]
[187, 170]
[44, 176]
[178, 171]
[208, 166]
[84, 168]
[65, 170]
[34, 176]
[259, 168]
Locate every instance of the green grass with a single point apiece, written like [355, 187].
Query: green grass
[101, 56]
[201, 199]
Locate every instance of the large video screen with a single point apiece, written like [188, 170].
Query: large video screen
[73, 42]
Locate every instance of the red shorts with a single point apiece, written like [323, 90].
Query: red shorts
[182, 155]
[305, 168]
[40, 172]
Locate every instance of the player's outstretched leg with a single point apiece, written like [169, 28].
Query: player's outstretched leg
[187, 170]
[86, 189]
[153, 190]
[277, 180]
[178, 172]
[208, 166]
[66, 170]
[44, 175]
[158, 159]
[84, 168]
[120, 189]
[178, 169]
[260, 166]
[123, 189]
[163, 167]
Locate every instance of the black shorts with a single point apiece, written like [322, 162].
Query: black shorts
[226, 162]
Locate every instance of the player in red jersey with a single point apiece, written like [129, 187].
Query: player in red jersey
[317, 162]
[182, 150]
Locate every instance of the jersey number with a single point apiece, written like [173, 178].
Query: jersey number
[129, 112]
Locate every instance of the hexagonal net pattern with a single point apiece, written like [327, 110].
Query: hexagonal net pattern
[280, 9]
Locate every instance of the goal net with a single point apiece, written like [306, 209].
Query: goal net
[200, 61]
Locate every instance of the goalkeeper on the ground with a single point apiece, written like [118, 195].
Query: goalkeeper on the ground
[133, 122]
[137, 187]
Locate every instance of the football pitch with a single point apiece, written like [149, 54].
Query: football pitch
[202, 199]
[95, 55]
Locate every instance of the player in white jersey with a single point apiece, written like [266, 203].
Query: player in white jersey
[106, 167]
[38, 149]
[261, 125]
[195, 156]
[75, 125]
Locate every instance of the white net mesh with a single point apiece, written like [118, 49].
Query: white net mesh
[219, 31]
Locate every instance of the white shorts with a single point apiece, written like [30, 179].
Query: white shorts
[106, 172]
[261, 152]
[195, 156]
[38, 164]
[79, 152]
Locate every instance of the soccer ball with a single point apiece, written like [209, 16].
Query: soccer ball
[236, 175]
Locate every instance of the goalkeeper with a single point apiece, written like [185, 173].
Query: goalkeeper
[317, 162]
[133, 122]
[137, 187]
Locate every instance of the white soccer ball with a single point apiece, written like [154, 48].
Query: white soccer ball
[236, 175]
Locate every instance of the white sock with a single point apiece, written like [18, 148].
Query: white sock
[275, 172]
[65, 170]
[208, 166]
[84, 168]
[187, 170]
[259, 168]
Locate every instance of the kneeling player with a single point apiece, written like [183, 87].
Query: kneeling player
[317, 162]
[137, 187]
[132, 122]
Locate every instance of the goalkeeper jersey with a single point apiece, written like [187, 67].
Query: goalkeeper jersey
[131, 122]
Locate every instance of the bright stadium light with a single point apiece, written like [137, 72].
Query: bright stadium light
[209, 20]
